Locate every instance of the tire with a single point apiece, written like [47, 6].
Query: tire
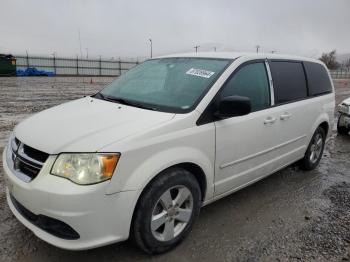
[153, 205]
[314, 151]
[342, 130]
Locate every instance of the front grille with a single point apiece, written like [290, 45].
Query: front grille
[27, 161]
[50, 225]
[17, 141]
[35, 154]
[29, 169]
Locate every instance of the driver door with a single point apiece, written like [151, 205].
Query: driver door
[245, 144]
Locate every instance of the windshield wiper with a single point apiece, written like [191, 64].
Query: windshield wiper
[124, 101]
[140, 105]
[111, 99]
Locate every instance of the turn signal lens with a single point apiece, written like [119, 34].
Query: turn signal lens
[109, 162]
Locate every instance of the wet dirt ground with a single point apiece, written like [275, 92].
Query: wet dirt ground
[290, 216]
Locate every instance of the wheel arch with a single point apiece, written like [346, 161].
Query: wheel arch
[325, 126]
[191, 167]
[322, 121]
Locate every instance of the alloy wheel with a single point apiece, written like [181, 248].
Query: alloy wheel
[172, 213]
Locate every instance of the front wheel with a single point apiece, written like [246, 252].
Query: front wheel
[166, 211]
[314, 151]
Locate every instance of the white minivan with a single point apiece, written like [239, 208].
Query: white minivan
[141, 157]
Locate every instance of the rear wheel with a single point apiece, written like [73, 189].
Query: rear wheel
[342, 130]
[314, 151]
[166, 211]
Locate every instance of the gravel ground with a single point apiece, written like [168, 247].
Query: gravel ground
[290, 216]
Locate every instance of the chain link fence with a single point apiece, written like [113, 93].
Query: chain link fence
[101, 67]
[340, 73]
[77, 66]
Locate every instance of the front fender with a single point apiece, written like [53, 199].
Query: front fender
[155, 164]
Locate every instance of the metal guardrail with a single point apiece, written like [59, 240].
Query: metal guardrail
[77, 66]
[340, 73]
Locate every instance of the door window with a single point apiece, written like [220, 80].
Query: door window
[250, 81]
[317, 78]
[289, 81]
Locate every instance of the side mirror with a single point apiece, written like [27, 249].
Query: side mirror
[233, 106]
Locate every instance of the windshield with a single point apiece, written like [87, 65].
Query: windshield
[167, 84]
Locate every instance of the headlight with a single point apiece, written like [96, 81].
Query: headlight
[344, 108]
[84, 168]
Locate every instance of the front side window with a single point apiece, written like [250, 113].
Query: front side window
[166, 84]
[250, 81]
[289, 81]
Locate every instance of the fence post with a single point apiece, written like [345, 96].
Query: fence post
[54, 64]
[120, 66]
[77, 65]
[27, 60]
[100, 66]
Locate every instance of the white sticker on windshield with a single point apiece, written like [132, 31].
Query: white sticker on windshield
[200, 72]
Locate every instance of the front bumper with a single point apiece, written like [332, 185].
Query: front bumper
[344, 120]
[97, 218]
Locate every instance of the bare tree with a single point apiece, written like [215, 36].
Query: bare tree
[330, 60]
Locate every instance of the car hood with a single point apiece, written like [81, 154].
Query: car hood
[346, 102]
[85, 125]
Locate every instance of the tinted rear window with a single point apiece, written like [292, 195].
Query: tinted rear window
[288, 81]
[318, 80]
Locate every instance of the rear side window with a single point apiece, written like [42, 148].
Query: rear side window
[317, 78]
[288, 81]
[250, 81]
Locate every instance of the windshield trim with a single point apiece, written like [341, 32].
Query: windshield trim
[176, 110]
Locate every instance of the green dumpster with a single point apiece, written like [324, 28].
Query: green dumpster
[7, 65]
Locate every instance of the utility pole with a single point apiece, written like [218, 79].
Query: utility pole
[87, 53]
[150, 40]
[257, 48]
[81, 53]
[196, 47]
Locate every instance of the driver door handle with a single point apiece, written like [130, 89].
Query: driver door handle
[270, 120]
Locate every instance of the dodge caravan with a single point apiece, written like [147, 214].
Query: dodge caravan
[141, 157]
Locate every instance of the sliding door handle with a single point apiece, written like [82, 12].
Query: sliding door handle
[270, 120]
[285, 116]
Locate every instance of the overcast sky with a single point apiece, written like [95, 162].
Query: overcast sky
[123, 27]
